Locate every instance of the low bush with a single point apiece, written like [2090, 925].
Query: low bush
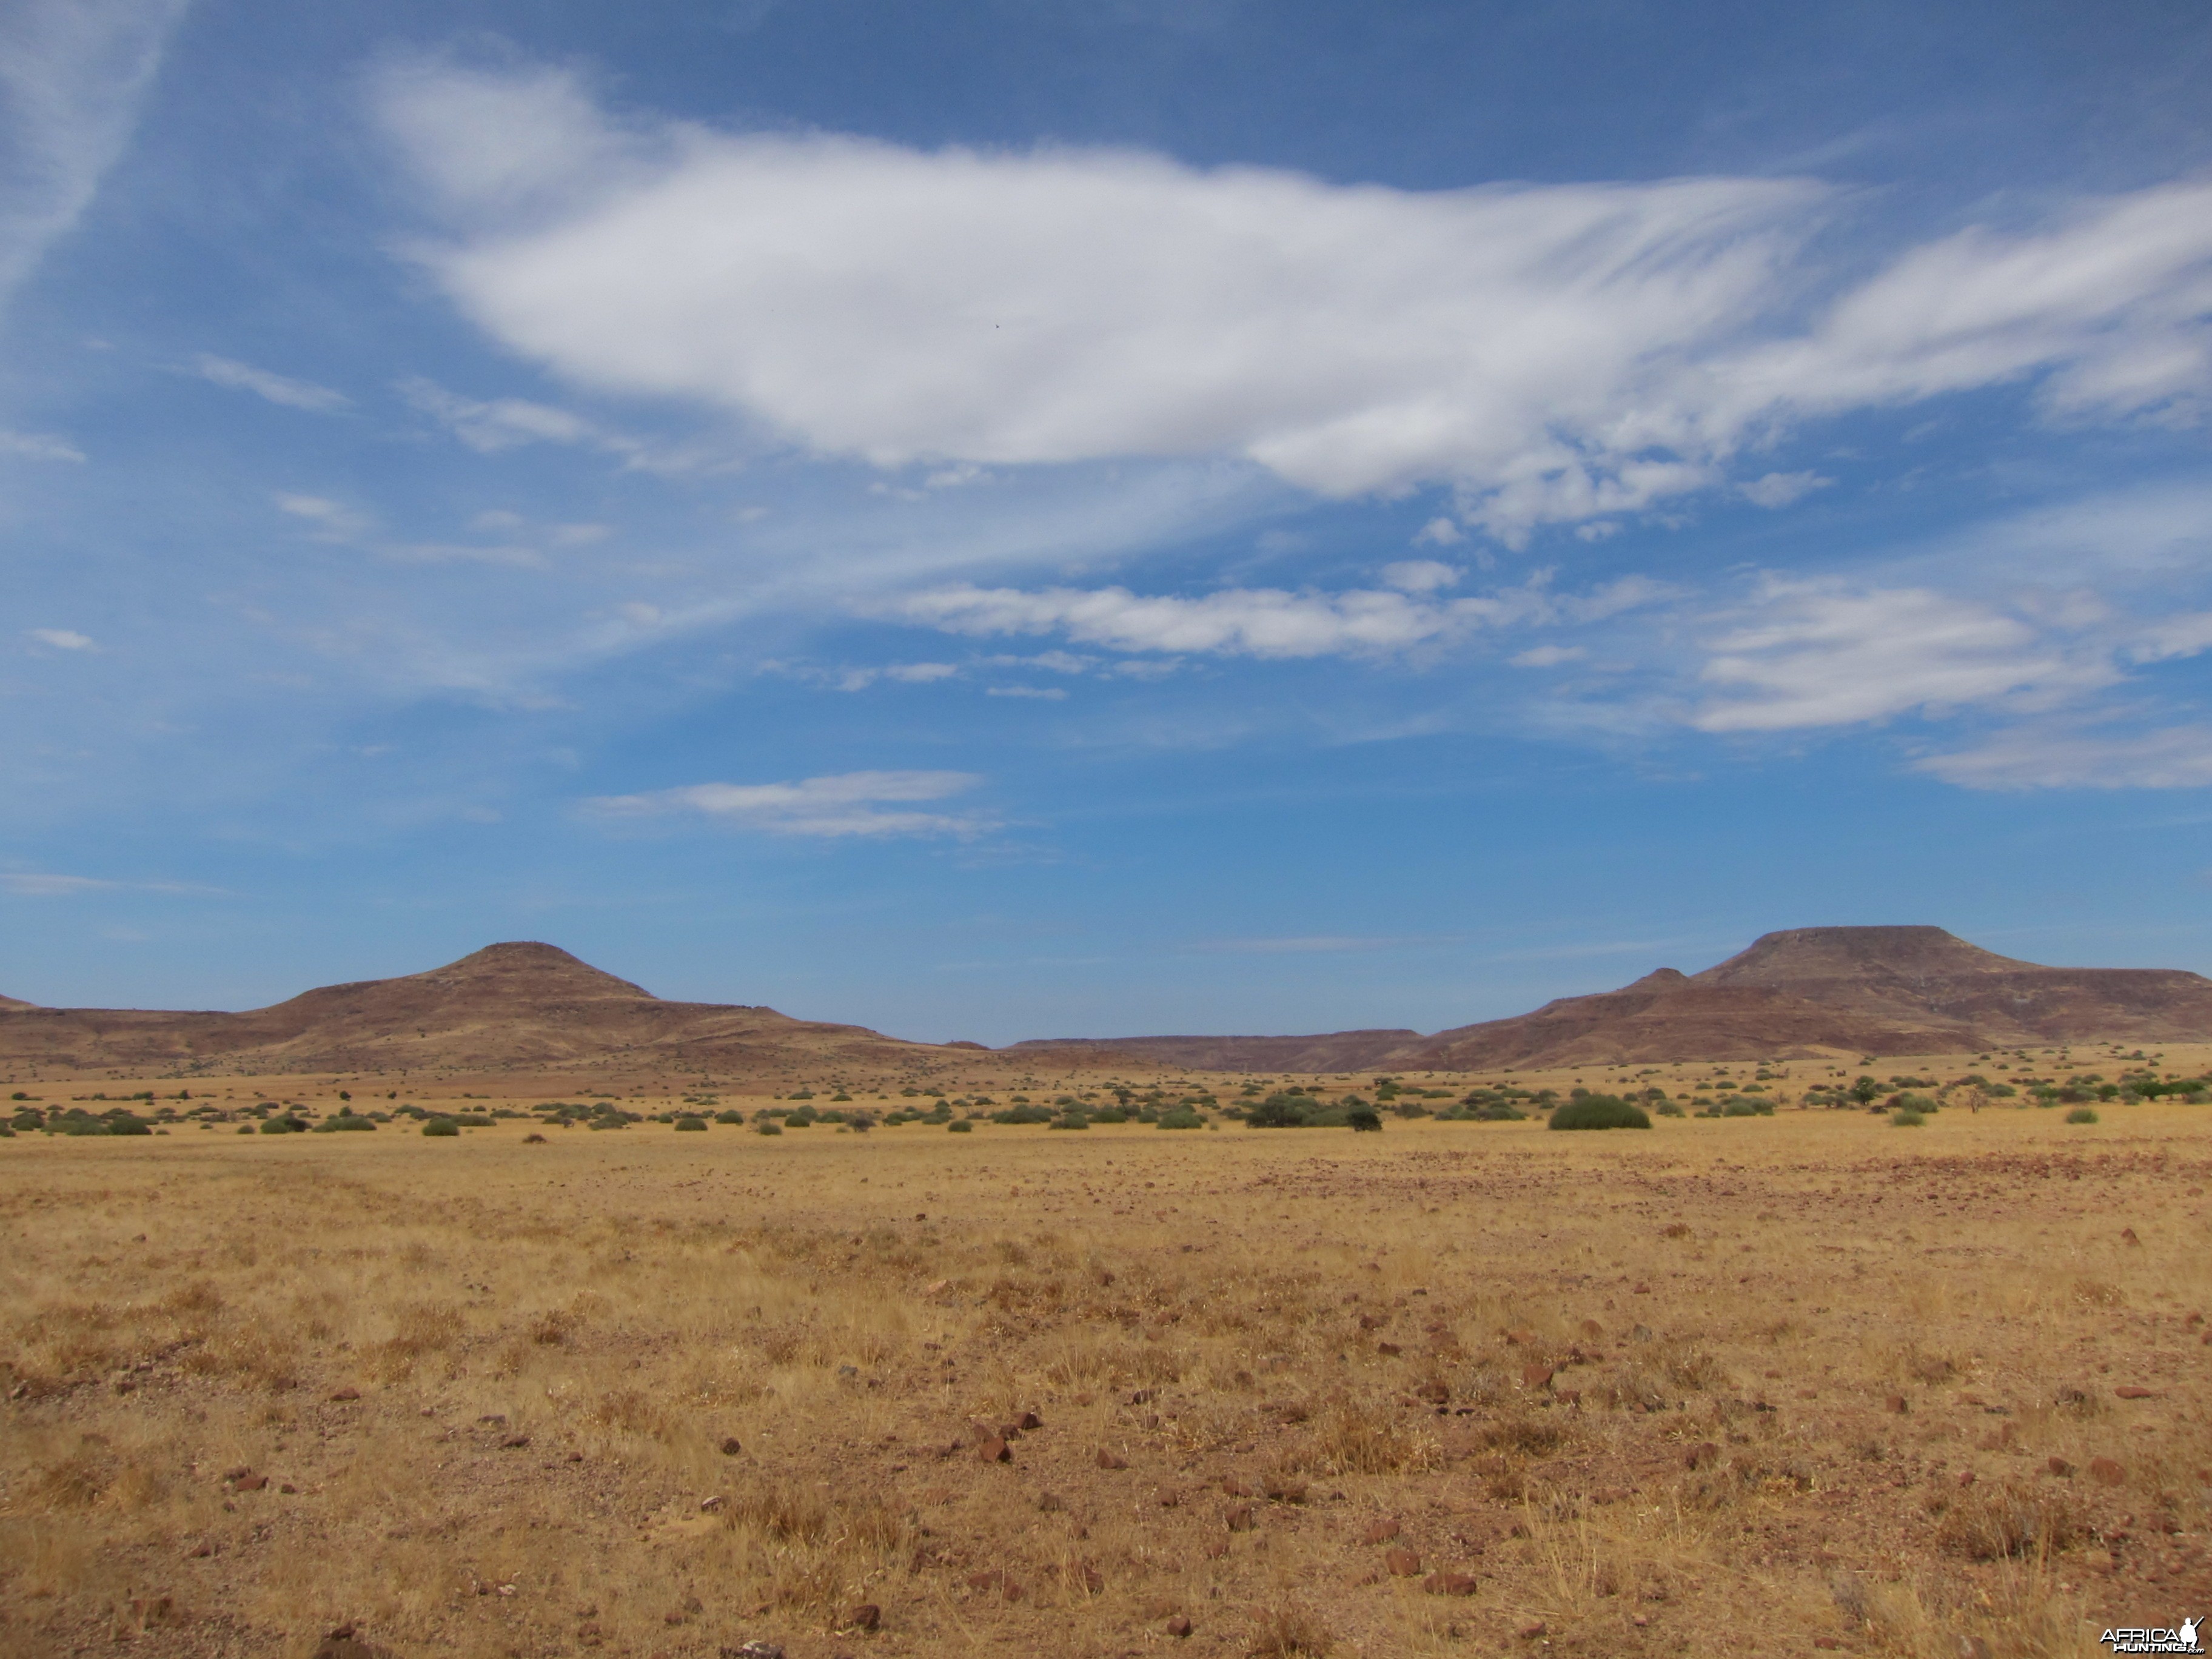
[960, 1126]
[1600, 1112]
[729, 1117]
[1743, 1106]
[767, 1125]
[440, 1127]
[1181, 1118]
[697, 1125]
[1364, 1120]
[2081, 1114]
[1906, 1117]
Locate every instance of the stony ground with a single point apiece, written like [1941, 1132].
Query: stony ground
[1758, 1386]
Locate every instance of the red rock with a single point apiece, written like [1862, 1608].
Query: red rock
[1373, 1321]
[1283, 1490]
[1535, 1376]
[2059, 1466]
[1434, 1391]
[1530, 1632]
[1238, 1486]
[2106, 1472]
[1702, 1454]
[1217, 1549]
[1449, 1583]
[1897, 1403]
[1381, 1533]
[514, 1442]
[1391, 1350]
[993, 1450]
[1110, 1460]
[1591, 1328]
[2127, 1236]
[2129, 1391]
[1827, 1644]
[1240, 1518]
[1403, 1563]
[347, 1392]
[1179, 1627]
[250, 1482]
[1029, 1420]
[732, 1446]
[866, 1616]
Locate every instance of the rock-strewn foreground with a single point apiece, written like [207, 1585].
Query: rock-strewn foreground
[1805, 991]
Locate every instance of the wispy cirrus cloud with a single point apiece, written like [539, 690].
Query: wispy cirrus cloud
[280, 389]
[43, 885]
[1817, 654]
[848, 804]
[2063, 757]
[1551, 354]
[63, 638]
[1264, 621]
[73, 74]
[39, 446]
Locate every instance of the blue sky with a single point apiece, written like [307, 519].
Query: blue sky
[1000, 520]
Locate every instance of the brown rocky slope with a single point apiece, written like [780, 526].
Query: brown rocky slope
[505, 1006]
[1805, 991]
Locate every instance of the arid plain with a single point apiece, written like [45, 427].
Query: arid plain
[1757, 1384]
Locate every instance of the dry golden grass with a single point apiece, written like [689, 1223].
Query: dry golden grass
[1714, 1389]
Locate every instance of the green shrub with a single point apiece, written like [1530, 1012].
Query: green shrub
[1283, 1111]
[729, 1117]
[1600, 1112]
[282, 1125]
[1364, 1120]
[1741, 1106]
[1181, 1118]
[330, 1126]
[2081, 1114]
[441, 1126]
[767, 1125]
[1109, 1115]
[1668, 1109]
[960, 1126]
[698, 1124]
[1905, 1117]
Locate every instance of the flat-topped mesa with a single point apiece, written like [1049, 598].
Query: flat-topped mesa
[1801, 956]
[522, 972]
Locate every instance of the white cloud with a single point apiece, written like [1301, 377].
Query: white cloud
[1547, 656]
[501, 423]
[1551, 354]
[1264, 621]
[63, 638]
[2184, 635]
[34, 885]
[1313, 943]
[1044, 693]
[45, 886]
[73, 74]
[1438, 532]
[337, 522]
[1420, 575]
[919, 673]
[39, 446]
[2031, 758]
[276, 388]
[1820, 654]
[846, 804]
[1776, 489]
